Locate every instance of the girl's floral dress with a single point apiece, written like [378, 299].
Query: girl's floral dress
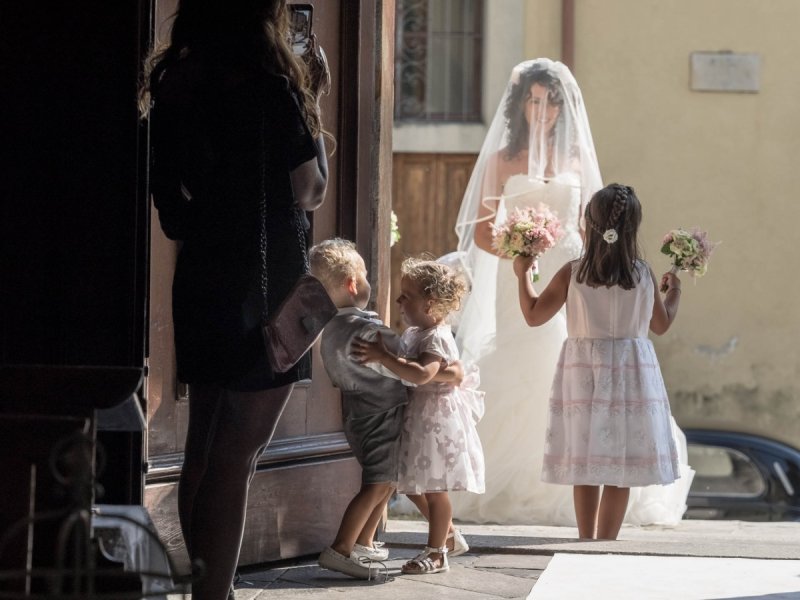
[440, 449]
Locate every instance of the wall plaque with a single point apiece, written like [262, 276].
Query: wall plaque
[724, 72]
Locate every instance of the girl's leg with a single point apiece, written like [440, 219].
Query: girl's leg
[358, 512]
[243, 422]
[441, 513]
[421, 502]
[587, 502]
[613, 505]
[371, 526]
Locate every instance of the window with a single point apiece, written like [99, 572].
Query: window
[724, 472]
[438, 60]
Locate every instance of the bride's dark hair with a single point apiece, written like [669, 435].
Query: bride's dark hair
[610, 258]
[231, 38]
[516, 124]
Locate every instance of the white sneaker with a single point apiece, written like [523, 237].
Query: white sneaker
[349, 565]
[377, 552]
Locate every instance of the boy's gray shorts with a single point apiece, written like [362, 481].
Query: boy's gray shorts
[375, 441]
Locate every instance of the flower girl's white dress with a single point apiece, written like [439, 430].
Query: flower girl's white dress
[610, 421]
[517, 378]
[440, 449]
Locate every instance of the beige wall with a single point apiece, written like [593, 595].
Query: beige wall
[727, 162]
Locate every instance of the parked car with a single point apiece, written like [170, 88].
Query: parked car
[742, 476]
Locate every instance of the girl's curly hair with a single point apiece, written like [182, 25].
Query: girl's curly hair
[437, 282]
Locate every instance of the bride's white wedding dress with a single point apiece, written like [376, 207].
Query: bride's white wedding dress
[517, 377]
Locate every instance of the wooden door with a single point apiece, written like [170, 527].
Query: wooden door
[307, 475]
[426, 196]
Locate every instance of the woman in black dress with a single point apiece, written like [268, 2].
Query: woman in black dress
[237, 150]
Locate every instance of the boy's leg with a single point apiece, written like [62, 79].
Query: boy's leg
[587, 501]
[371, 526]
[613, 505]
[357, 514]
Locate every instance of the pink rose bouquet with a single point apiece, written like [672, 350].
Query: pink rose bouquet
[527, 232]
[688, 250]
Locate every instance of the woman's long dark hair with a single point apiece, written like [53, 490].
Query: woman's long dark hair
[610, 258]
[514, 112]
[239, 35]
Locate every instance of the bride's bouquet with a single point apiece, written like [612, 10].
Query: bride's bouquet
[527, 231]
[688, 250]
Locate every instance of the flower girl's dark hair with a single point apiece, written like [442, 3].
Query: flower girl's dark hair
[611, 252]
[438, 283]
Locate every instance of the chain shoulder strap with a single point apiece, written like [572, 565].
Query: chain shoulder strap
[262, 217]
[297, 217]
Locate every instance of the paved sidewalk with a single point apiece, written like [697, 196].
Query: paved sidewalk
[506, 561]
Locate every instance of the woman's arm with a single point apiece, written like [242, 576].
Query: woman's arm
[664, 312]
[310, 179]
[490, 188]
[416, 372]
[171, 198]
[483, 231]
[536, 309]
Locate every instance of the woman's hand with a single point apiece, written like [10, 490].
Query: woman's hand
[364, 351]
[522, 265]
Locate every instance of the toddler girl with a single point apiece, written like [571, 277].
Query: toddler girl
[610, 422]
[439, 449]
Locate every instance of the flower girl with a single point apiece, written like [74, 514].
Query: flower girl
[439, 450]
[610, 422]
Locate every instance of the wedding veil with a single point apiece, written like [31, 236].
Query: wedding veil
[561, 150]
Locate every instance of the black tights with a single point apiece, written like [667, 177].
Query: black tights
[227, 433]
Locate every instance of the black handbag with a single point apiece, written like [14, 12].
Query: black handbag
[291, 330]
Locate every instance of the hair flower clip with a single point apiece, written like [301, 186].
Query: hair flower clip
[610, 236]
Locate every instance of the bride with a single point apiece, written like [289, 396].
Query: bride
[539, 149]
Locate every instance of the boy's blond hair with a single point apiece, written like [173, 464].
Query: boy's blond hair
[333, 261]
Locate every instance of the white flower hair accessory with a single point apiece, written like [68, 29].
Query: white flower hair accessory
[610, 236]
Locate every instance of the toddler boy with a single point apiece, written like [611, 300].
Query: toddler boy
[373, 401]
